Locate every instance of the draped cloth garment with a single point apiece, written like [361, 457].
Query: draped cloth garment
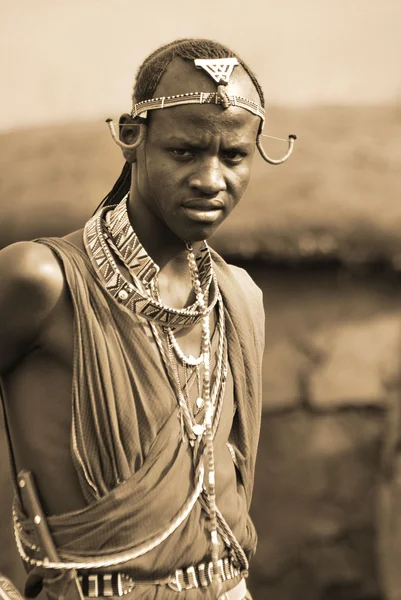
[134, 469]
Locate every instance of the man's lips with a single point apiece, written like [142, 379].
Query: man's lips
[205, 210]
[204, 204]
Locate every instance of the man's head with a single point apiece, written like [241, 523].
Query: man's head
[197, 117]
[194, 163]
[154, 67]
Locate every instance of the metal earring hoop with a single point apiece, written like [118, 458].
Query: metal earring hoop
[142, 135]
[272, 161]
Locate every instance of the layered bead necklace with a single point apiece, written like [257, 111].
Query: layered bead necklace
[110, 230]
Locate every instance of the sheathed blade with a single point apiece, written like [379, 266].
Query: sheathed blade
[8, 591]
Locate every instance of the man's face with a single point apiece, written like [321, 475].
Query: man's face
[195, 163]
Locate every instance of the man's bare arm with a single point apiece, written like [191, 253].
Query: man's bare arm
[31, 282]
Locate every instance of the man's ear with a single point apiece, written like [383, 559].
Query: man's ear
[131, 134]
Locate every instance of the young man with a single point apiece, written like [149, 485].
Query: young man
[130, 355]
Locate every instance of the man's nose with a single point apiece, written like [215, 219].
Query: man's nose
[209, 179]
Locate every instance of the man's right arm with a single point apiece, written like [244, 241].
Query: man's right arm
[31, 282]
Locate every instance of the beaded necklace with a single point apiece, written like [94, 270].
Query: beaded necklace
[119, 234]
[111, 228]
[98, 233]
[125, 243]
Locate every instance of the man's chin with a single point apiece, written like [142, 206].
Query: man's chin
[199, 234]
[197, 231]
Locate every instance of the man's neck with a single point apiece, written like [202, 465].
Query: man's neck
[168, 252]
[162, 245]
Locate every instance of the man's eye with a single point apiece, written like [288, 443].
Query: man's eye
[181, 153]
[234, 156]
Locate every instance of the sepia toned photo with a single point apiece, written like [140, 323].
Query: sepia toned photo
[200, 300]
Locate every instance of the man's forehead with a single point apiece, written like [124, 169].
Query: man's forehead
[200, 121]
[182, 76]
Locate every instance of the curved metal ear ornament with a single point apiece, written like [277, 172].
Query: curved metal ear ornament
[272, 161]
[141, 137]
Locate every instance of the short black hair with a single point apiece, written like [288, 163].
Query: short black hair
[155, 65]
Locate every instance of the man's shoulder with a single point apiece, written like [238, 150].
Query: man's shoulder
[239, 276]
[244, 280]
[31, 268]
[31, 284]
[244, 301]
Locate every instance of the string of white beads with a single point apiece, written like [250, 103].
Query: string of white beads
[211, 487]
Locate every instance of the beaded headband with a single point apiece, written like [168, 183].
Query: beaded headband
[220, 70]
[197, 98]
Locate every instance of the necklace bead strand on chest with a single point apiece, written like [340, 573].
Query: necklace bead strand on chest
[138, 297]
[126, 292]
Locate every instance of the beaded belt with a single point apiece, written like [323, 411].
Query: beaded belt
[98, 585]
[201, 575]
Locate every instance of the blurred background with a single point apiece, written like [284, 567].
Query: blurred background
[320, 235]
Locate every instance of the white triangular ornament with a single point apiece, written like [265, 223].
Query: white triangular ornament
[218, 68]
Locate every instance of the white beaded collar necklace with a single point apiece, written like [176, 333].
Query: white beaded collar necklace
[111, 224]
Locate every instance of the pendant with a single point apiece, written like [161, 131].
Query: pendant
[200, 403]
[198, 429]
